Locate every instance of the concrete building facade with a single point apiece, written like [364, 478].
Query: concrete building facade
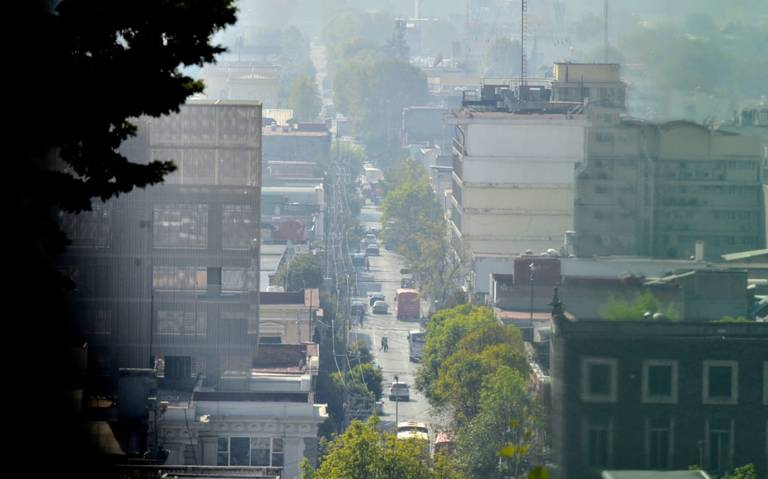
[513, 180]
[172, 270]
[657, 396]
[656, 189]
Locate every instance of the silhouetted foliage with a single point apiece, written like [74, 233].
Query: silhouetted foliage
[86, 68]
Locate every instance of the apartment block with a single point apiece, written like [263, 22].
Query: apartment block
[171, 271]
[656, 190]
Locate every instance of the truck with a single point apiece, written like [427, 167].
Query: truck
[407, 304]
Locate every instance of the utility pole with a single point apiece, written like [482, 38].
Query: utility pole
[532, 267]
[605, 31]
[523, 42]
[397, 401]
[151, 325]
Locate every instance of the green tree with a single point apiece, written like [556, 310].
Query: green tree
[364, 452]
[505, 426]
[482, 350]
[397, 45]
[295, 63]
[414, 224]
[445, 330]
[370, 376]
[304, 99]
[304, 271]
[89, 68]
[744, 472]
[372, 90]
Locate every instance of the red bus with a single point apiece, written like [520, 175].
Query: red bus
[407, 304]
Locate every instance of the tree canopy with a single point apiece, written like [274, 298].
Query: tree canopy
[304, 271]
[304, 99]
[415, 225]
[89, 69]
[365, 452]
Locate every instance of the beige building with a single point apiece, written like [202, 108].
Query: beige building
[286, 317]
[513, 180]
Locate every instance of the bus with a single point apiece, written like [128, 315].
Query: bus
[407, 304]
[416, 341]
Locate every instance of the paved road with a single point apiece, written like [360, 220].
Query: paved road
[385, 277]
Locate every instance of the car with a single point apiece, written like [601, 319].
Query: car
[372, 250]
[399, 391]
[370, 238]
[380, 307]
[412, 430]
[376, 297]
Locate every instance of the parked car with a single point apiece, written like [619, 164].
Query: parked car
[380, 307]
[376, 297]
[399, 391]
[372, 250]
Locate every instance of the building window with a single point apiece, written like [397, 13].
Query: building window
[222, 453]
[719, 444]
[179, 278]
[238, 226]
[659, 381]
[659, 445]
[182, 323]
[234, 279]
[721, 382]
[598, 443]
[250, 451]
[181, 226]
[233, 167]
[598, 380]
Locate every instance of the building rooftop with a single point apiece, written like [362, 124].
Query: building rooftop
[655, 475]
[670, 330]
[247, 396]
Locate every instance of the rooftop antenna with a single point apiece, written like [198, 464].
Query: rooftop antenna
[523, 41]
[605, 30]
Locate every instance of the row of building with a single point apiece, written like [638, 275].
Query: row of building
[552, 186]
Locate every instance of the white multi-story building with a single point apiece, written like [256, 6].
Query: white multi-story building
[513, 180]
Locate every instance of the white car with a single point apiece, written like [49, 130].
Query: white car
[399, 391]
[380, 307]
[412, 430]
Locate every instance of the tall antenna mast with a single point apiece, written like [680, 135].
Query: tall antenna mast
[523, 41]
[605, 31]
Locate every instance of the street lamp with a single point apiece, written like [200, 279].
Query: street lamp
[532, 267]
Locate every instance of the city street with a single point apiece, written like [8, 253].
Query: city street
[385, 277]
